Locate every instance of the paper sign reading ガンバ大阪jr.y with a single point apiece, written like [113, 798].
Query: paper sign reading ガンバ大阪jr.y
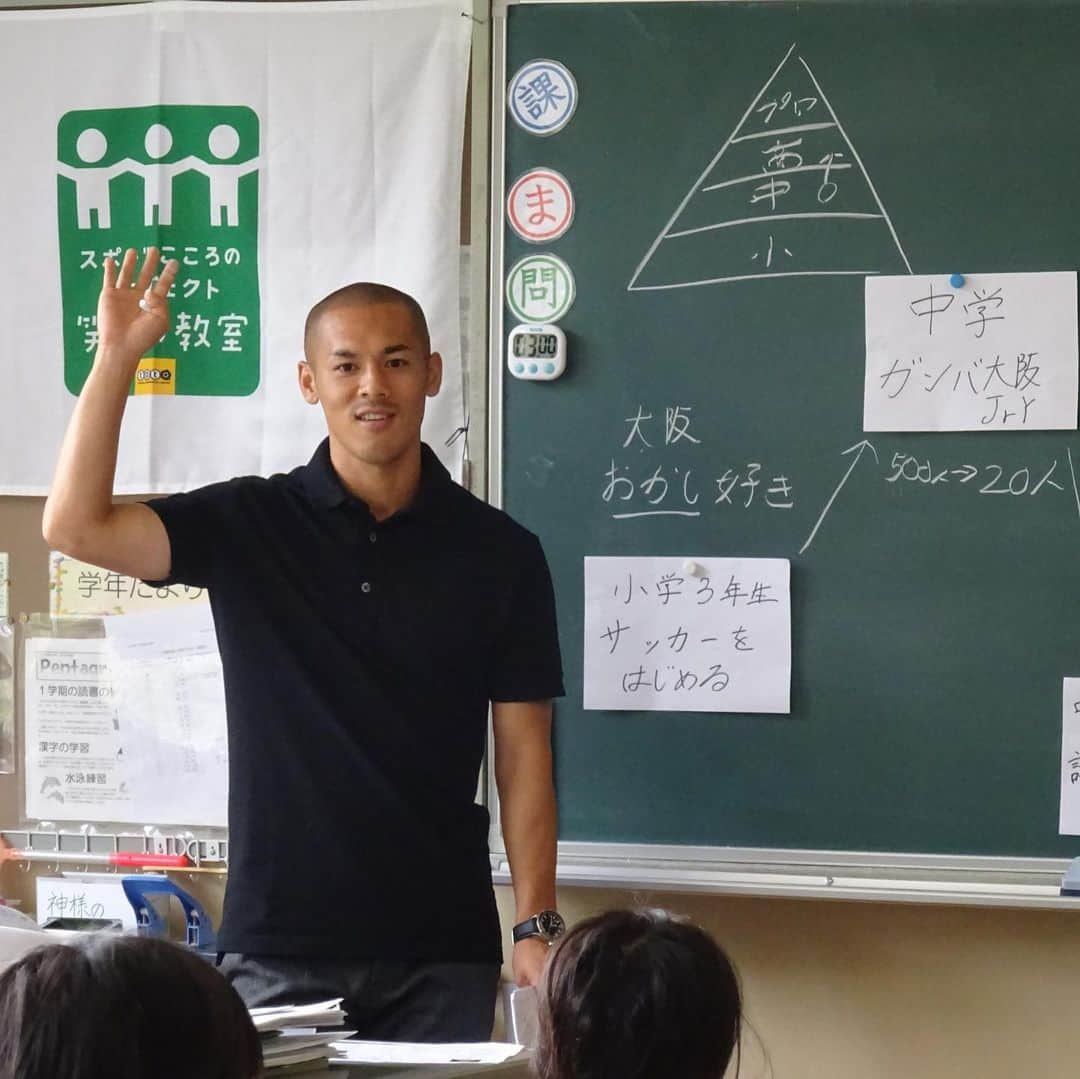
[988, 352]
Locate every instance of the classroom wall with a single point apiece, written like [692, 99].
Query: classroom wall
[834, 989]
[28, 568]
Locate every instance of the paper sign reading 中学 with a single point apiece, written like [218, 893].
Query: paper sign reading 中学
[688, 634]
[997, 353]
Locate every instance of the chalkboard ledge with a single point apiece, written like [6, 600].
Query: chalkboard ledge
[961, 880]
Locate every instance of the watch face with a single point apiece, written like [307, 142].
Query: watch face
[550, 924]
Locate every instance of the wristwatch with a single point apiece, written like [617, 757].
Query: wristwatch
[547, 925]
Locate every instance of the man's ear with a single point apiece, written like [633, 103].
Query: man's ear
[434, 374]
[306, 378]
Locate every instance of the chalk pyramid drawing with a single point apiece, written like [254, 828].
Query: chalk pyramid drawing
[786, 196]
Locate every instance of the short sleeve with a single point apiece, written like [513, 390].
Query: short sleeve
[195, 523]
[527, 664]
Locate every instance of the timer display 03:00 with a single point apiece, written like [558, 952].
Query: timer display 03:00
[534, 345]
[536, 353]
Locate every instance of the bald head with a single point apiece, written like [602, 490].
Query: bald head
[365, 294]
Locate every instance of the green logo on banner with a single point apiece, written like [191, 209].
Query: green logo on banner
[184, 178]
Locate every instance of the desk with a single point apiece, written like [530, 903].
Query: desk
[518, 1068]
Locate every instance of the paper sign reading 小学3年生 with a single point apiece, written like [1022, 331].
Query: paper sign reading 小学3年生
[688, 634]
[995, 353]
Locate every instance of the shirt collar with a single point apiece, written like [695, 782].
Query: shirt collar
[324, 486]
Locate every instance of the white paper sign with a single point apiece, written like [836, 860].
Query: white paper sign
[170, 705]
[688, 634]
[1069, 819]
[74, 765]
[4, 586]
[7, 697]
[131, 727]
[997, 353]
[78, 588]
[81, 897]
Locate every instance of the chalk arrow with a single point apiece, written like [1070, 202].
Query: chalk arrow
[858, 450]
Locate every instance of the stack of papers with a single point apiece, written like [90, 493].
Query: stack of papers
[326, 1014]
[361, 1052]
[290, 1041]
[284, 1051]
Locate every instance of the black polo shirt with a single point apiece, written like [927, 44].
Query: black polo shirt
[359, 658]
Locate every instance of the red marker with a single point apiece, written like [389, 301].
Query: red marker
[127, 859]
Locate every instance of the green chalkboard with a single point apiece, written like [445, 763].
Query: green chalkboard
[933, 617]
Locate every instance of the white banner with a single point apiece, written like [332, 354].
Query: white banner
[278, 151]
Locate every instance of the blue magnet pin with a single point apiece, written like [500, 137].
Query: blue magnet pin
[957, 280]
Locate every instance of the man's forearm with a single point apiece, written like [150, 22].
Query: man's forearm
[530, 836]
[80, 518]
[528, 814]
[81, 496]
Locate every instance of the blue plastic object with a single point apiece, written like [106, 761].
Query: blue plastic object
[199, 931]
[957, 280]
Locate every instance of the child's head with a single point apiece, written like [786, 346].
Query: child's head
[637, 995]
[126, 1008]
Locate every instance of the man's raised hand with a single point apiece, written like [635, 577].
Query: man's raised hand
[133, 313]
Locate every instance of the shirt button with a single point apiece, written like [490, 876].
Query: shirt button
[365, 587]
[372, 536]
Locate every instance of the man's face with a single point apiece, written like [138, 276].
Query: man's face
[369, 369]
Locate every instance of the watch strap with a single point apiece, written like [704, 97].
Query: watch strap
[548, 925]
[528, 928]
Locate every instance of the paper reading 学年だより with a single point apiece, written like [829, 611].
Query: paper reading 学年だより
[77, 588]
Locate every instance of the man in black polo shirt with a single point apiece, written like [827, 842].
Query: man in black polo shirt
[367, 609]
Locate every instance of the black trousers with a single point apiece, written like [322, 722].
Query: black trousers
[383, 1000]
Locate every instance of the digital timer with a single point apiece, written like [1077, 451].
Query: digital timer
[536, 352]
